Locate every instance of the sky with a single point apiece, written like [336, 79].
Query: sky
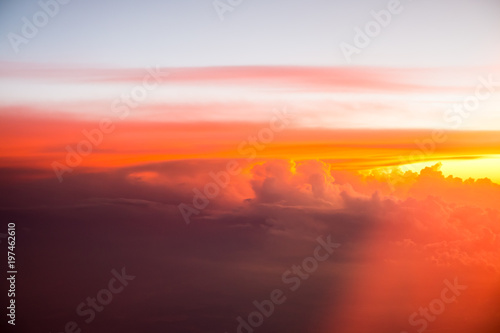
[295, 32]
[213, 149]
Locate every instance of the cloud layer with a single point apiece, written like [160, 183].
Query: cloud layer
[397, 247]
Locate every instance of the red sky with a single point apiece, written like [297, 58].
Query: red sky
[108, 186]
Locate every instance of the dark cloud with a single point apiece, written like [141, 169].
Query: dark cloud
[395, 250]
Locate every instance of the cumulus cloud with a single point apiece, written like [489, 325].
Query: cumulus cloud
[397, 246]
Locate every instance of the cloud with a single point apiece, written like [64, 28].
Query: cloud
[303, 78]
[32, 139]
[396, 247]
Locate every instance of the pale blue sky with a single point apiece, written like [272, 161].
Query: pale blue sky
[187, 33]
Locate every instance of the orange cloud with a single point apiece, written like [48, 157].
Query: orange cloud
[31, 140]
